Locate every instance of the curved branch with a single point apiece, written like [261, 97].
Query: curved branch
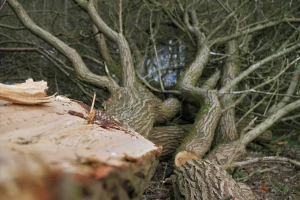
[128, 77]
[265, 159]
[167, 110]
[89, 7]
[201, 135]
[82, 71]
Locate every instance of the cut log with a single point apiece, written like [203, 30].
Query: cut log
[169, 137]
[47, 153]
[202, 180]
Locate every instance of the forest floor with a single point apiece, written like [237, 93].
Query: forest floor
[268, 180]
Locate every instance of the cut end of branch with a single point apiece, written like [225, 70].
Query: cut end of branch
[183, 156]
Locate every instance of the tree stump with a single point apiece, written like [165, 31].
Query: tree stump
[48, 153]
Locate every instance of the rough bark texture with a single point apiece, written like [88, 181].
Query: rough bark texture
[226, 130]
[203, 180]
[169, 137]
[136, 108]
[167, 109]
[201, 135]
[223, 152]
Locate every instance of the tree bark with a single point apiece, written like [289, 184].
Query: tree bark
[202, 180]
[226, 130]
[201, 136]
[169, 137]
[237, 148]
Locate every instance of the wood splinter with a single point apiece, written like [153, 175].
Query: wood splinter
[91, 116]
[100, 118]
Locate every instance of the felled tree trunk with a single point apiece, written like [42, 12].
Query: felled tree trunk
[56, 150]
[202, 180]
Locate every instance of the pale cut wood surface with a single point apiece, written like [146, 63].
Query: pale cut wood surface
[29, 92]
[49, 151]
[62, 139]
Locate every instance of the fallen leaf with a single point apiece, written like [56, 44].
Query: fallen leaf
[264, 188]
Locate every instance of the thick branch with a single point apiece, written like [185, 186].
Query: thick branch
[169, 137]
[251, 135]
[202, 133]
[200, 137]
[212, 81]
[167, 110]
[194, 72]
[202, 180]
[82, 71]
[128, 76]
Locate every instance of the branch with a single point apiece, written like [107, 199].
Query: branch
[261, 92]
[289, 92]
[264, 159]
[101, 45]
[226, 19]
[157, 90]
[246, 30]
[19, 49]
[82, 71]
[263, 126]
[212, 81]
[11, 27]
[128, 75]
[89, 7]
[256, 66]
[194, 72]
